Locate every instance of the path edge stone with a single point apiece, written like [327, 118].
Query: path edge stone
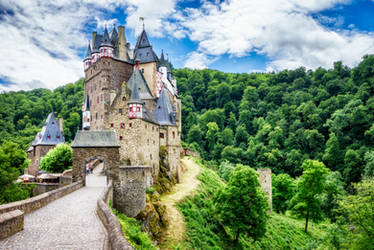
[110, 221]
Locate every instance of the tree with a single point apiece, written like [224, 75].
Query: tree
[369, 167]
[195, 134]
[13, 161]
[359, 209]
[242, 205]
[333, 154]
[227, 136]
[57, 160]
[311, 184]
[283, 191]
[352, 166]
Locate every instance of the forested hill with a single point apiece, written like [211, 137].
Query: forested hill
[22, 113]
[278, 120]
[262, 120]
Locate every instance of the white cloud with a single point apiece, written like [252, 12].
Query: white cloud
[283, 30]
[41, 39]
[198, 60]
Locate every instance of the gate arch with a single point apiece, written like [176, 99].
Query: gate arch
[90, 145]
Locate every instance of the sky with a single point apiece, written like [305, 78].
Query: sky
[43, 42]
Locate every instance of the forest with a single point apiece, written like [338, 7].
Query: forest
[313, 128]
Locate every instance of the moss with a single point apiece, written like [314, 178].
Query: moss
[165, 180]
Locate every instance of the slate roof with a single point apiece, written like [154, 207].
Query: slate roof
[88, 53]
[50, 134]
[143, 49]
[142, 86]
[98, 41]
[106, 40]
[164, 113]
[134, 98]
[113, 35]
[95, 139]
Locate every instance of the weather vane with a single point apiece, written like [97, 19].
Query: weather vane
[142, 19]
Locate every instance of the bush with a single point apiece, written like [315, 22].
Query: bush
[57, 160]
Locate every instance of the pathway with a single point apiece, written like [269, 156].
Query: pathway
[66, 223]
[188, 183]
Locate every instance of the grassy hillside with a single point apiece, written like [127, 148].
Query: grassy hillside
[204, 231]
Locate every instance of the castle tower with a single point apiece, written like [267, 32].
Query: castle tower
[46, 139]
[87, 59]
[122, 44]
[106, 48]
[148, 61]
[86, 114]
[135, 104]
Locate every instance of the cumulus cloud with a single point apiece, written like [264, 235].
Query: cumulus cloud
[42, 41]
[283, 30]
[198, 60]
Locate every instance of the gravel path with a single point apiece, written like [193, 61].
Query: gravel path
[188, 183]
[67, 223]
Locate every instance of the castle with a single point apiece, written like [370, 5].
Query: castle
[133, 92]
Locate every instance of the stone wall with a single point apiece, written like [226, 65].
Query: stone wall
[139, 139]
[130, 189]
[10, 223]
[115, 234]
[35, 156]
[39, 201]
[82, 156]
[103, 81]
[265, 181]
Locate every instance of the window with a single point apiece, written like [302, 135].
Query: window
[48, 136]
[137, 109]
[159, 107]
[153, 128]
[58, 137]
[146, 126]
[120, 111]
[130, 125]
[111, 125]
[173, 135]
[53, 123]
[150, 156]
[88, 119]
[147, 141]
[130, 109]
[122, 125]
[96, 116]
[143, 71]
[97, 100]
[161, 135]
[120, 137]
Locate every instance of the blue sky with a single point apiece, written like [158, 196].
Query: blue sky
[44, 41]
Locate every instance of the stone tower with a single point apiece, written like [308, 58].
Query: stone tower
[50, 135]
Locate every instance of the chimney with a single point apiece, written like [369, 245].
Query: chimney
[93, 39]
[121, 44]
[60, 125]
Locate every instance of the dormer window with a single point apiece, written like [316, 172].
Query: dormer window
[159, 107]
[58, 137]
[53, 123]
[48, 136]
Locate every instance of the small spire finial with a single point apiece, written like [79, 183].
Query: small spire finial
[142, 19]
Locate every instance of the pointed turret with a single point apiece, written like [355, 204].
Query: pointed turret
[87, 58]
[106, 47]
[164, 113]
[113, 35]
[143, 49]
[135, 104]
[142, 86]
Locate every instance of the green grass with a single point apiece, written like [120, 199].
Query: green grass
[204, 231]
[132, 231]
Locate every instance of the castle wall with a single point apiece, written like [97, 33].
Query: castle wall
[129, 189]
[35, 157]
[150, 70]
[138, 138]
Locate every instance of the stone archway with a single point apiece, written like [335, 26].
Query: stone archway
[90, 145]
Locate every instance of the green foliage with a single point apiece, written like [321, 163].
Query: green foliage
[23, 113]
[132, 231]
[311, 184]
[283, 191]
[225, 169]
[359, 209]
[242, 205]
[13, 161]
[205, 232]
[280, 119]
[58, 159]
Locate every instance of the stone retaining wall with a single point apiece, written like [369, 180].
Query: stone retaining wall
[110, 221]
[29, 205]
[10, 223]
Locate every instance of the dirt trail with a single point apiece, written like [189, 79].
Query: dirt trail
[188, 183]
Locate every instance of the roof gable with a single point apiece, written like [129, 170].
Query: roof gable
[50, 134]
[143, 41]
[138, 79]
[164, 113]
